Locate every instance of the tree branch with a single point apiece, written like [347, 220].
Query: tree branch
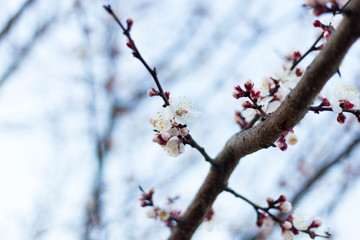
[6, 29]
[263, 135]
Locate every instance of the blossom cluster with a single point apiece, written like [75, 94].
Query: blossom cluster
[171, 123]
[340, 100]
[279, 204]
[267, 99]
[288, 137]
[293, 224]
[296, 223]
[322, 6]
[168, 214]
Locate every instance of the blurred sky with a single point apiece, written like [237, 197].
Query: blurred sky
[54, 106]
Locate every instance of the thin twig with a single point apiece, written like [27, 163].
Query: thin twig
[194, 144]
[137, 54]
[312, 48]
[267, 210]
[321, 108]
[25, 50]
[10, 23]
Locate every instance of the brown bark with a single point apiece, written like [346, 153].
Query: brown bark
[263, 135]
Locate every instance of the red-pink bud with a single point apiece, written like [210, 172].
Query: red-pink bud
[281, 144]
[152, 92]
[282, 198]
[325, 102]
[240, 93]
[326, 35]
[346, 104]
[341, 118]
[298, 72]
[317, 23]
[296, 55]
[236, 95]
[167, 94]
[255, 95]
[129, 23]
[210, 215]
[129, 44]
[317, 222]
[270, 201]
[249, 85]
[247, 104]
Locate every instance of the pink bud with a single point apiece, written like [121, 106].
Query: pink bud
[159, 140]
[296, 55]
[341, 118]
[249, 85]
[346, 104]
[317, 222]
[166, 136]
[152, 92]
[325, 102]
[281, 144]
[239, 119]
[326, 35]
[174, 122]
[236, 94]
[247, 104]
[129, 44]
[298, 72]
[184, 132]
[210, 215]
[317, 23]
[285, 207]
[174, 131]
[255, 95]
[167, 94]
[129, 23]
[286, 225]
[270, 201]
[282, 198]
[261, 219]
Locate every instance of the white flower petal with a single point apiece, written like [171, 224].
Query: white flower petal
[273, 106]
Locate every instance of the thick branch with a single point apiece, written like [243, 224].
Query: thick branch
[263, 135]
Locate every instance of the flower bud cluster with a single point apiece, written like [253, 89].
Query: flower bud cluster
[296, 223]
[168, 215]
[257, 104]
[146, 198]
[340, 99]
[322, 6]
[279, 204]
[171, 124]
[288, 137]
[327, 29]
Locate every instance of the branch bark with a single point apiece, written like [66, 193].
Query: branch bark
[263, 135]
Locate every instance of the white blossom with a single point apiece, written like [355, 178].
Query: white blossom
[335, 94]
[291, 138]
[287, 235]
[299, 220]
[182, 110]
[161, 123]
[174, 147]
[285, 207]
[151, 213]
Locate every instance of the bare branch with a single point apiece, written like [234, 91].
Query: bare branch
[10, 23]
[24, 51]
[265, 133]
